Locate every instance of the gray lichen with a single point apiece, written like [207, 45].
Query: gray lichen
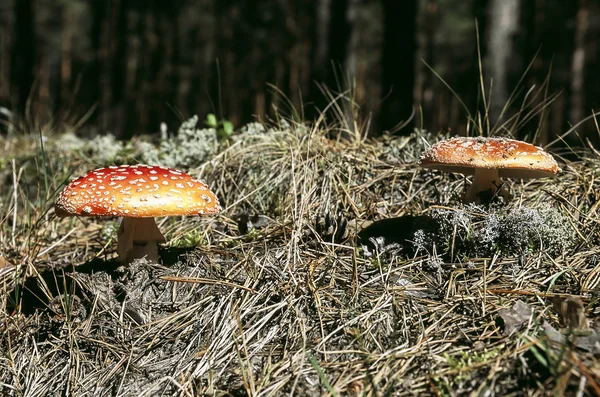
[477, 231]
[190, 148]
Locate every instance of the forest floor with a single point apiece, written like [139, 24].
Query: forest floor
[337, 267]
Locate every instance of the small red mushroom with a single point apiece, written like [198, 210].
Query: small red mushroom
[138, 193]
[488, 160]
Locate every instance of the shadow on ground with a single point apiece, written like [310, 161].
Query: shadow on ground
[400, 231]
[38, 292]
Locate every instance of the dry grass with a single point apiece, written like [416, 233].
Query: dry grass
[314, 302]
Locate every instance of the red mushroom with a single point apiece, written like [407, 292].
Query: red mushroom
[488, 160]
[138, 193]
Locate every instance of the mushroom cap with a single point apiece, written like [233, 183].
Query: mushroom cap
[512, 158]
[137, 191]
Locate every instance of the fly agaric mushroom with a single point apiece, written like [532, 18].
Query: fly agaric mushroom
[488, 160]
[138, 193]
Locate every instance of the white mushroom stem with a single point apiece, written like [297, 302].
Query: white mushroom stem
[485, 180]
[138, 238]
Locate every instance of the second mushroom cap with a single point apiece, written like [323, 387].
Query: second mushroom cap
[489, 159]
[512, 158]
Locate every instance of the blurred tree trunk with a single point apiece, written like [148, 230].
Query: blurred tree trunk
[257, 72]
[351, 66]
[337, 71]
[134, 52]
[6, 37]
[320, 61]
[339, 34]
[227, 17]
[100, 86]
[503, 23]
[532, 19]
[168, 58]
[145, 61]
[66, 58]
[576, 113]
[398, 62]
[321, 47]
[350, 63]
[23, 54]
[116, 63]
[299, 22]
[546, 37]
[198, 53]
[592, 59]
[429, 21]
[481, 14]
[329, 51]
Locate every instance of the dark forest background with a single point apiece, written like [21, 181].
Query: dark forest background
[132, 64]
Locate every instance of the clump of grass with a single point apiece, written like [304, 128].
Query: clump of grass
[462, 374]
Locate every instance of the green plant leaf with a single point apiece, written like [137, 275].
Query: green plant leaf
[211, 120]
[322, 376]
[227, 128]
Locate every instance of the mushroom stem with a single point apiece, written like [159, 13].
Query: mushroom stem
[486, 184]
[138, 238]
